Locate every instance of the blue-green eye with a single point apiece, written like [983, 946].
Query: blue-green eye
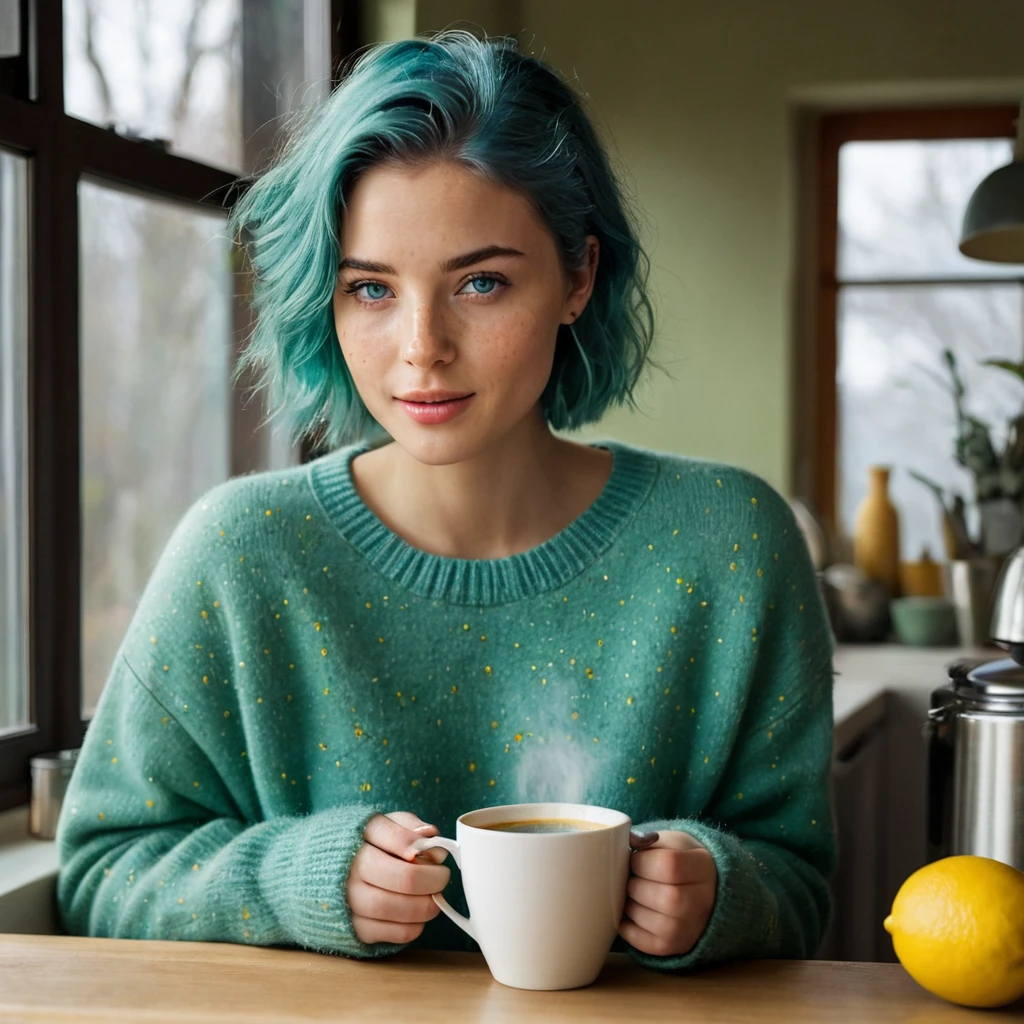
[379, 291]
[483, 284]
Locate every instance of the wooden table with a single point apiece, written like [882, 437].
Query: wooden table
[62, 979]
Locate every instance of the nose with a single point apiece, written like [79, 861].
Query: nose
[427, 339]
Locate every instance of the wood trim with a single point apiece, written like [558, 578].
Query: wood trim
[834, 131]
[98, 152]
[347, 35]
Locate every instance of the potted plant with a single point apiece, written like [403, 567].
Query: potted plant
[998, 476]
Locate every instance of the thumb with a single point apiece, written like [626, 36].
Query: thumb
[423, 830]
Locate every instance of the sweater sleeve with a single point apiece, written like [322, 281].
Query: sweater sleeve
[152, 846]
[769, 823]
[161, 832]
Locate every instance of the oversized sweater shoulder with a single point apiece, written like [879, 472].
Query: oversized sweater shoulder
[294, 667]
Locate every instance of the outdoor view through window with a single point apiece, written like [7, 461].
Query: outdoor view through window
[906, 295]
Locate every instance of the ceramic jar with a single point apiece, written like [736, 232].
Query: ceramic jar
[876, 532]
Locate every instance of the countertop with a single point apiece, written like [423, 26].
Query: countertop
[71, 980]
[866, 673]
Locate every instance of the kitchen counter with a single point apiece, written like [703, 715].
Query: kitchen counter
[76, 980]
[867, 673]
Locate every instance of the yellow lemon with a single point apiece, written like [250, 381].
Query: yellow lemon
[958, 928]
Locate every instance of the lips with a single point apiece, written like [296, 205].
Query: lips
[433, 397]
[435, 409]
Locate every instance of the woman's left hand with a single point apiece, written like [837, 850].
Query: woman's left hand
[670, 895]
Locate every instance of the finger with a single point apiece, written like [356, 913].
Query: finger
[366, 900]
[676, 901]
[388, 835]
[678, 841]
[386, 872]
[412, 822]
[652, 921]
[673, 867]
[370, 931]
[643, 940]
[415, 824]
[642, 840]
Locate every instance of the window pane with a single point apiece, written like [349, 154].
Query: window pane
[14, 678]
[210, 77]
[156, 308]
[901, 206]
[894, 390]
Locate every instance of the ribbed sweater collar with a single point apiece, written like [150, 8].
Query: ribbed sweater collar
[485, 581]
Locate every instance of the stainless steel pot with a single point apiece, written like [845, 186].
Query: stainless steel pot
[976, 750]
[976, 764]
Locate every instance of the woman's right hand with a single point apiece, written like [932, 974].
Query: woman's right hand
[389, 884]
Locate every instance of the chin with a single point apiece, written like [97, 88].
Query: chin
[441, 445]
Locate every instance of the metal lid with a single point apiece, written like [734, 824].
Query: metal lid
[64, 759]
[996, 686]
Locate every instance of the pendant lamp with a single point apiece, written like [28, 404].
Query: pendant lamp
[993, 228]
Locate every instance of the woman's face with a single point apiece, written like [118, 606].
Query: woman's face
[447, 307]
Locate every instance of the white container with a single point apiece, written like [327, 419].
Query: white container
[544, 907]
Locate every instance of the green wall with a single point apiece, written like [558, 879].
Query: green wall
[705, 107]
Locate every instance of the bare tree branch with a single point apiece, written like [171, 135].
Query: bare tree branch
[94, 61]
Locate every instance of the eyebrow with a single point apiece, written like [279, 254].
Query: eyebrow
[456, 263]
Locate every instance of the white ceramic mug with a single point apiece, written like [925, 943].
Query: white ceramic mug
[544, 907]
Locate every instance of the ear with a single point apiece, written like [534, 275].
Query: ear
[581, 283]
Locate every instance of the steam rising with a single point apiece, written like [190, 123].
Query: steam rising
[552, 767]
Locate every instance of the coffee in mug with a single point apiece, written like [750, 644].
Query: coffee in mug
[545, 825]
[545, 885]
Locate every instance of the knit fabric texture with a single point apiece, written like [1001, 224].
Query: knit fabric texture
[294, 668]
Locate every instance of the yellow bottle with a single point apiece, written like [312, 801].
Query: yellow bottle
[876, 533]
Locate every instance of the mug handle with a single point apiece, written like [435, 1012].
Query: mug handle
[453, 848]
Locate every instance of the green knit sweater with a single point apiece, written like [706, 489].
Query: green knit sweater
[294, 668]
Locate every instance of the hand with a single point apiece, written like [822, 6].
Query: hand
[389, 884]
[670, 895]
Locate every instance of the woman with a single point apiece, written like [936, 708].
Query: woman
[332, 661]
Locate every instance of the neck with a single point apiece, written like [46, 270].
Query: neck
[515, 495]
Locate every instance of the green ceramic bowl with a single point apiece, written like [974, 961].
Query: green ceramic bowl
[924, 621]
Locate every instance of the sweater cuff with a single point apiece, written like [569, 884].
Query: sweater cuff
[744, 921]
[304, 877]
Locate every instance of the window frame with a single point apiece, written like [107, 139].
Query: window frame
[834, 131]
[61, 149]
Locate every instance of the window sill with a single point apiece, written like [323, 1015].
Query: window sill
[28, 876]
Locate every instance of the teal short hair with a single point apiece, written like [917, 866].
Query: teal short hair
[486, 106]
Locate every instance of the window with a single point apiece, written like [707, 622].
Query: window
[151, 271]
[895, 295]
[123, 128]
[14, 681]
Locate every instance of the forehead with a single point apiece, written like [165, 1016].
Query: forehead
[436, 205]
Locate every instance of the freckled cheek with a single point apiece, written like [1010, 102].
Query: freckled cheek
[524, 351]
